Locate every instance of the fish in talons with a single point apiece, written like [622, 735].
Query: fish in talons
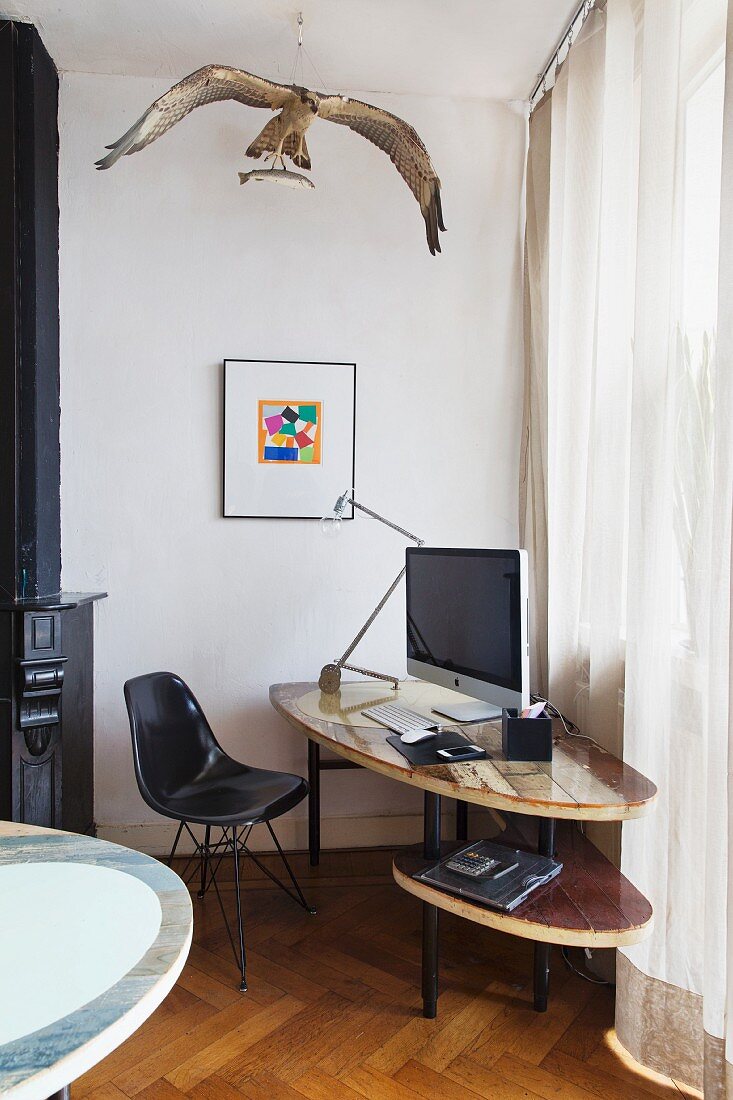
[278, 175]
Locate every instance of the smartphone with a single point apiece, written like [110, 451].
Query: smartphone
[462, 752]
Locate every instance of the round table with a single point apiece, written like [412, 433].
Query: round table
[92, 938]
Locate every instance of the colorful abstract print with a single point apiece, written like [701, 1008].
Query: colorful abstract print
[289, 431]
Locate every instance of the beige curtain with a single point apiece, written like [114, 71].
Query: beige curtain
[628, 479]
[533, 474]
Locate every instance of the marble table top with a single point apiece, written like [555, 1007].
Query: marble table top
[92, 938]
[581, 782]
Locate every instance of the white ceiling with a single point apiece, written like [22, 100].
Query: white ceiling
[484, 48]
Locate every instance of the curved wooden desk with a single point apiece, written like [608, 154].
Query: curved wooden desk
[582, 783]
[590, 904]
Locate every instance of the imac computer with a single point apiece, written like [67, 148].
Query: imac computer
[467, 627]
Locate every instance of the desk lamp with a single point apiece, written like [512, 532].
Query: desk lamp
[330, 679]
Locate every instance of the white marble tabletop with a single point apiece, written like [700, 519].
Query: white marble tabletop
[92, 938]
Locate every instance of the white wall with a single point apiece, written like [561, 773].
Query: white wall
[168, 267]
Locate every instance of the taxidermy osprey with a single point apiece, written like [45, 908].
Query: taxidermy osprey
[284, 135]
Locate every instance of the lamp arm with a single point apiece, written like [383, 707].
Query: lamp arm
[372, 617]
[387, 522]
[330, 678]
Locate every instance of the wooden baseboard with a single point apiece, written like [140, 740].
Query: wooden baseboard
[156, 837]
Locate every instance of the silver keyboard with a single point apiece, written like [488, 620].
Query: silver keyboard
[399, 718]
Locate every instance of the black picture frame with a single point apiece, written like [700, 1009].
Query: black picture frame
[349, 512]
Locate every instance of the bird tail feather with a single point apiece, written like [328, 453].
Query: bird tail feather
[267, 140]
[290, 148]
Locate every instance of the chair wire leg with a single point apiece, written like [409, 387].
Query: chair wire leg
[310, 908]
[224, 916]
[205, 854]
[242, 957]
[217, 853]
[175, 843]
[235, 839]
[193, 860]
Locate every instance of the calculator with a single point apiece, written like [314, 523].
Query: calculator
[474, 865]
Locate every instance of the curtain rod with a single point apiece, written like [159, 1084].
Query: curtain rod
[572, 30]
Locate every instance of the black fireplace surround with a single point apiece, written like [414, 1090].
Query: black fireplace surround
[46, 636]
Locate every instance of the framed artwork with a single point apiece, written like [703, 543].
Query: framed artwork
[289, 433]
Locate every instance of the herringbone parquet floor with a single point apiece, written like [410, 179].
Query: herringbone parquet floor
[333, 1009]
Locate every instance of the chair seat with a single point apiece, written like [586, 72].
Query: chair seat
[235, 794]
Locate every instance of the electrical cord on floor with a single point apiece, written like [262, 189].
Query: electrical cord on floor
[580, 973]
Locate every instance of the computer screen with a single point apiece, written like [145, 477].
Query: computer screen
[466, 615]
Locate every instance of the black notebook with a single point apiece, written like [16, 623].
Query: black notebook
[507, 890]
[424, 753]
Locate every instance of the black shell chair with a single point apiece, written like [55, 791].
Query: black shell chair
[183, 773]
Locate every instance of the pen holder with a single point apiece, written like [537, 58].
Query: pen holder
[525, 738]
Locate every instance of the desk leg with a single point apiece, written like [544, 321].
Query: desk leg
[461, 820]
[546, 847]
[430, 913]
[314, 802]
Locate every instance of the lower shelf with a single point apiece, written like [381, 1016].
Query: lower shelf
[589, 904]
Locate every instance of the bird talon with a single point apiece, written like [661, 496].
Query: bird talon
[275, 157]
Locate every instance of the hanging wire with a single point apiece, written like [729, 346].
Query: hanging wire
[300, 53]
[298, 50]
[312, 64]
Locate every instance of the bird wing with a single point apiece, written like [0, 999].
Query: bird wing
[402, 145]
[207, 85]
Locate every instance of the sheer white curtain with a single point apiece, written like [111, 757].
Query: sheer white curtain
[627, 474]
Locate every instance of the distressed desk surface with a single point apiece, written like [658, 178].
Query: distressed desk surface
[589, 904]
[43, 1061]
[582, 782]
